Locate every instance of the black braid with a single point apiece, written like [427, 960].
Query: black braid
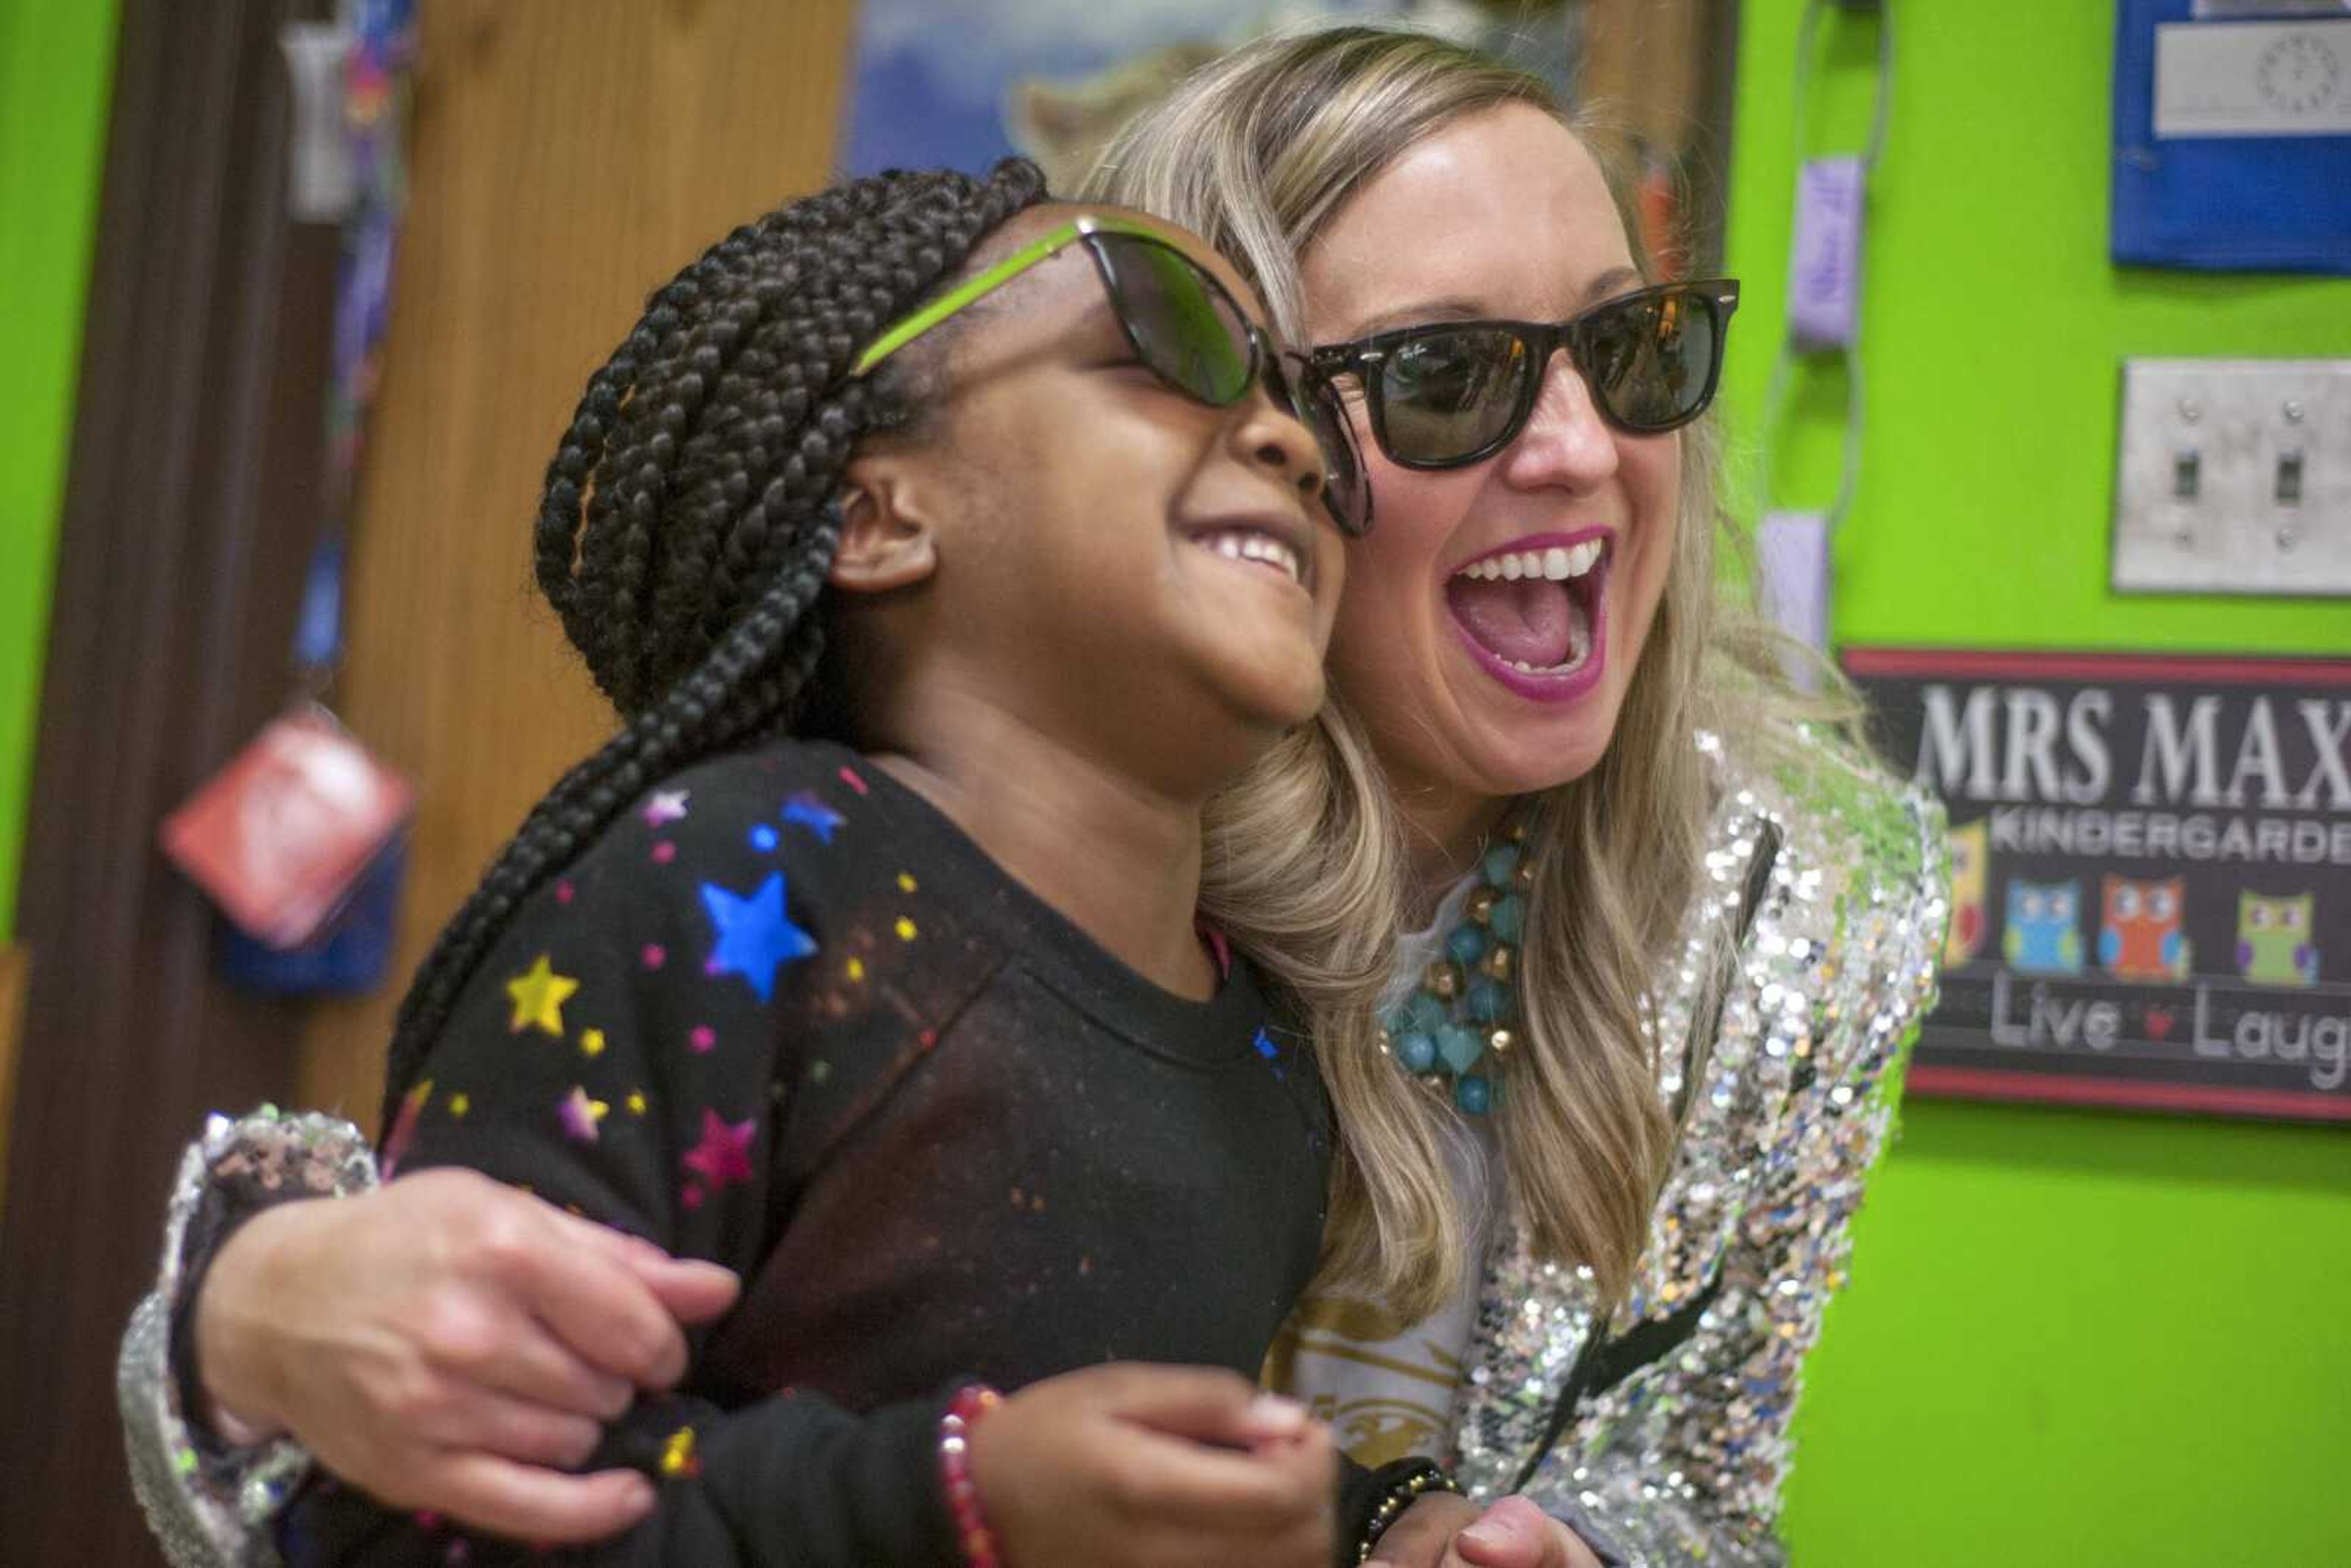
[687, 524]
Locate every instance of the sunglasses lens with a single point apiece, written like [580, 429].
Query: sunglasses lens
[1346, 494]
[1652, 361]
[1184, 326]
[1450, 390]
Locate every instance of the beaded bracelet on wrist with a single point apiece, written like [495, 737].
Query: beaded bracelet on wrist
[1399, 1497]
[971, 1402]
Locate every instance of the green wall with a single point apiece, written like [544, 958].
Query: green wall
[57, 66]
[2071, 1338]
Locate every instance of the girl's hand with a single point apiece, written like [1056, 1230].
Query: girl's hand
[1159, 1467]
[445, 1342]
[1440, 1530]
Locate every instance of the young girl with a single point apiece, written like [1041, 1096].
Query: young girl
[864, 961]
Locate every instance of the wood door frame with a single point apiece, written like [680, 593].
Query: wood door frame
[191, 502]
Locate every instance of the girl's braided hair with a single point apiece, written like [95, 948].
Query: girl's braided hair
[688, 521]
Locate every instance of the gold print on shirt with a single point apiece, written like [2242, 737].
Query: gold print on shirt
[1373, 1425]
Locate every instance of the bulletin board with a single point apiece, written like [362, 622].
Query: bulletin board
[2151, 875]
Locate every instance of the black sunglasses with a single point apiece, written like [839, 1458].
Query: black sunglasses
[1450, 393]
[1189, 331]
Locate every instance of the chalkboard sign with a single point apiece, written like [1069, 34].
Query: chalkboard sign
[2151, 870]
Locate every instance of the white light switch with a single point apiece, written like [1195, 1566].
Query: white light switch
[2234, 476]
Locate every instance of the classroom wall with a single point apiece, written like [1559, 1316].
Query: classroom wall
[2072, 1337]
[57, 66]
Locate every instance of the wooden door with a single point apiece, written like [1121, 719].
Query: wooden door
[565, 157]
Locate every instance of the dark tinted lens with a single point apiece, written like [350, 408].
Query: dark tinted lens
[1346, 494]
[1448, 391]
[1187, 330]
[1651, 360]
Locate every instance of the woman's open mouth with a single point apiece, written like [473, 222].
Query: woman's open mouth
[1533, 612]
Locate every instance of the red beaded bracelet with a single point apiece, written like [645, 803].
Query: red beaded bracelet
[972, 1401]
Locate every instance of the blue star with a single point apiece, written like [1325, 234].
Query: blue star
[755, 937]
[812, 814]
[1271, 1053]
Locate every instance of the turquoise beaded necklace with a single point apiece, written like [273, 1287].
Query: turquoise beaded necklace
[1454, 1030]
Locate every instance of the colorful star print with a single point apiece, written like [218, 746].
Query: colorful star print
[677, 1460]
[538, 994]
[755, 937]
[723, 1156]
[806, 810]
[665, 806]
[580, 1115]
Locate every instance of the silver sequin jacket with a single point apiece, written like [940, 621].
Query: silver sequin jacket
[1780, 1021]
[1801, 973]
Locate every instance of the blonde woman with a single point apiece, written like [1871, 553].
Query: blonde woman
[1609, 939]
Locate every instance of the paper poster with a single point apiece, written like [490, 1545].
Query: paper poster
[962, 83]
[2151, 874]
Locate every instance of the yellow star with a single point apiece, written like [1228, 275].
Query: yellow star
[591, 1041]
[906, 882]
[459, 1103]
[538, 996]
[636, 1102]
[905, 929]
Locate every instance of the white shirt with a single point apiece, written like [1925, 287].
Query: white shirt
[1387, 1386]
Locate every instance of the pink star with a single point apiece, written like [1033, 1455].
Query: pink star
[665, 806]
[723, 1156]
[579, 1115]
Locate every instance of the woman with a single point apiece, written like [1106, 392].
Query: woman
[1570, 849]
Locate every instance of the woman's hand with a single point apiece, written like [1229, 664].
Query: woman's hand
[1440, 1530]
[445, 1342]
[1158, 1466]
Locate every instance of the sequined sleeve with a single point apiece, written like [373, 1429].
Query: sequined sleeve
[209, 1502]
[1684, 1460]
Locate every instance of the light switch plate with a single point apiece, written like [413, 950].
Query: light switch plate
[2234, 476]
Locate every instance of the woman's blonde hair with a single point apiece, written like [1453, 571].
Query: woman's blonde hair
[1308, 862]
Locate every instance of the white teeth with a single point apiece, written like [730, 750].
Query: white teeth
[1245, 544]
[1557, 563]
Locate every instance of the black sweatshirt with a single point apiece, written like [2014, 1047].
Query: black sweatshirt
[784, 1015]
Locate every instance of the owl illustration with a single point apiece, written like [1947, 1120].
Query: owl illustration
[2040, 933]
[1971, 858]
[2140, 938]
[2275, 939]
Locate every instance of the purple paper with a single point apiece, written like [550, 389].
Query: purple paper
[1791, 550]
[1824, 264]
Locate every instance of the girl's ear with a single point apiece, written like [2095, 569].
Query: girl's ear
[886, 540]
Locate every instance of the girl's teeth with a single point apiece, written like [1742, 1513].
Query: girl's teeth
[1557, 564]
[1259, 547]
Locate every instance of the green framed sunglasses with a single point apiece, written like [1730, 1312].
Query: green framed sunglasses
[1187, 328]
